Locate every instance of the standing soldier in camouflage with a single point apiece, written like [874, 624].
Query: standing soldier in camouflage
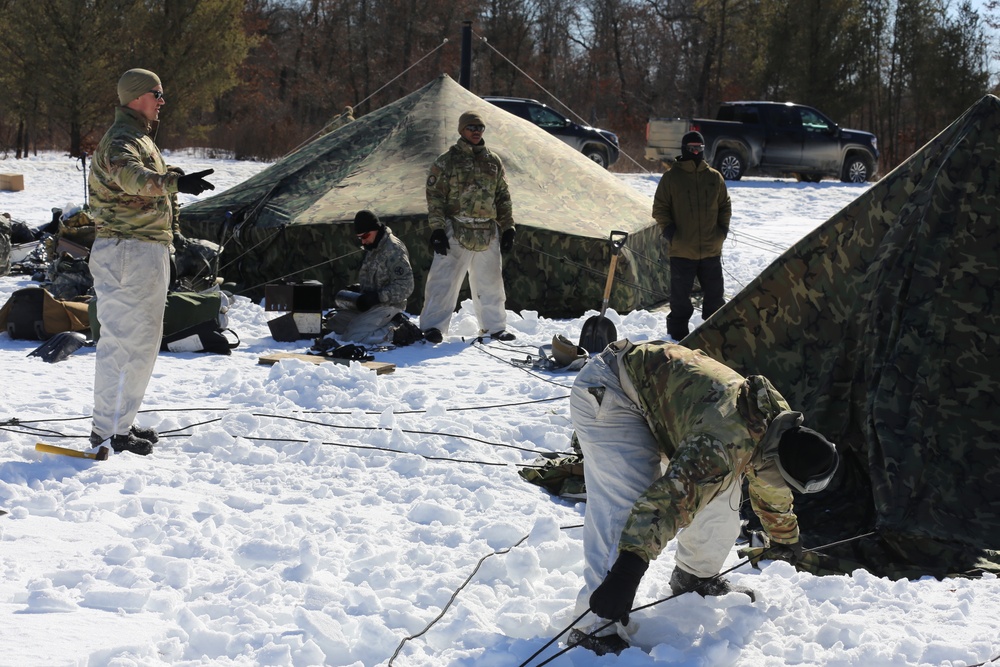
[635, 405]
[692, 209]
[130, 191]
[467, 201]
[385, 282]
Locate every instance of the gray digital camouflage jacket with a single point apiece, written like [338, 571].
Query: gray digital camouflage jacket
[386, 270]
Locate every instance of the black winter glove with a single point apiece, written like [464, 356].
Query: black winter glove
[786, 552]
[367, 300]
[613, 598]
[507, 241]
[179, 242]
[195, 184]
[668, 233]
[439, 242]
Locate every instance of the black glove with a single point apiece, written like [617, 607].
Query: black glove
[613, 598]
[195, 184]
[367, 300]
[355, 287]
[668, 233]
[439, 242]
[179, 242]
[786, 552]
[507, 241]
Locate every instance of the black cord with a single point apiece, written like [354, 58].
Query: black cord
[466, 583]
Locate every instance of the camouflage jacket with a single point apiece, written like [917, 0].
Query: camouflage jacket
[693, 199]
[468, 181]
[130, 186]
[714, 426]
[386, 269]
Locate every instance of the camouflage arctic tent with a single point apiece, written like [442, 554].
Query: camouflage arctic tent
[883, 327]
[293, 219]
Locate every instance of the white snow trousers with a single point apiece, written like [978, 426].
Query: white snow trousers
[620, 460]
[130, 279]
[444, 281]
[368, 328]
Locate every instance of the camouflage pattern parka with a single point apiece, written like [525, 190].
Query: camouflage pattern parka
[386, 269]
[131, 189]
[714, 426]
[692, 198]
[468, 181]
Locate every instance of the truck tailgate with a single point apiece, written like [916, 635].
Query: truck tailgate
[663, 137]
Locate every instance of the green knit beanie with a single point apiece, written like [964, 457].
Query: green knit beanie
[135, 83]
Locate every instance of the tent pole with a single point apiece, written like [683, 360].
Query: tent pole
[465, 76]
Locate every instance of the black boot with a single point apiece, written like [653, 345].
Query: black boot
[130, 443]
[600, 645]
[684, 582]
[138, 431]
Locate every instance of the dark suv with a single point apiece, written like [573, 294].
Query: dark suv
[599, 145]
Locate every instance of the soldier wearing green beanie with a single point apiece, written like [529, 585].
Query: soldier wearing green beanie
[133, 197]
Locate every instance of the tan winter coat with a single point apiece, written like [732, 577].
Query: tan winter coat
[692, 198]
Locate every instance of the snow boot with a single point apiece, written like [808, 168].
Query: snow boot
[140, 432]
[600, 645]
[129, 443]
[684, 582]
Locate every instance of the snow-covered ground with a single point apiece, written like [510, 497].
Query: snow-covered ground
[324, 515]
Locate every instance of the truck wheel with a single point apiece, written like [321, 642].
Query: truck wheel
[857, 169]
[730, 164]
[597, 155]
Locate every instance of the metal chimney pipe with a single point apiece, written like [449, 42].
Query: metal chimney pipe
[465, 76]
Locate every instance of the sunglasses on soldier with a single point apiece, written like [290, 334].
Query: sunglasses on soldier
[158, 94]
[475, 128]
[694, 148]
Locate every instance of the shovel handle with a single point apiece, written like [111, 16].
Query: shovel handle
[617, 240]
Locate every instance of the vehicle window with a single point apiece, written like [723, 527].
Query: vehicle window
[786, 117]
[813, 122]
[742, 114]
[543, 117]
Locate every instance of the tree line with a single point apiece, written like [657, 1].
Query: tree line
[257, 78]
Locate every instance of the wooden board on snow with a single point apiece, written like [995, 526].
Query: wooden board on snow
[380, 367]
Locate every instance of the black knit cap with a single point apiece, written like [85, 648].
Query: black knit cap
[806, 459]
[366, 221]
[692, 138]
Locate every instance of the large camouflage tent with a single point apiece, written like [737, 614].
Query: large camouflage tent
[883, 327]
[293, 220]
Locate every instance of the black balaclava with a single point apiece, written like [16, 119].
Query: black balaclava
[692, 138]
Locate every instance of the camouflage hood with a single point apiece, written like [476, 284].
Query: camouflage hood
[883, 327]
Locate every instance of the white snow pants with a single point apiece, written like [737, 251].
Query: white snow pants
[620, 460]
[444, 281]
[130, 279]
[368, 328]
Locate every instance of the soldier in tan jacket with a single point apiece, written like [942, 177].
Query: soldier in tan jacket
[637, 405]
[132, 194]
[692, 209]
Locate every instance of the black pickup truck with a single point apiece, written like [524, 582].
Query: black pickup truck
[770, 137]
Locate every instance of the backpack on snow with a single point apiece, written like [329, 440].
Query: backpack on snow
[192, 322]
[34, 314]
